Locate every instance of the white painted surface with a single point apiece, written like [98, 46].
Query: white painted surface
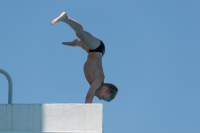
[69, 118]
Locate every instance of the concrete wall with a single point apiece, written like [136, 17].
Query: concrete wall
[79, 118]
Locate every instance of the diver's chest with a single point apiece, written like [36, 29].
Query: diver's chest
[90, 67]
[89, 71]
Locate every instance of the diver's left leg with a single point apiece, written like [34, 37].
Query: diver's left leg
[89, 40]
[77, 43]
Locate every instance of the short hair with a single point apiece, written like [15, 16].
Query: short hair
[112, 91]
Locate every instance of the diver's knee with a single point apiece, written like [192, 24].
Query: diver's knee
[80, 34]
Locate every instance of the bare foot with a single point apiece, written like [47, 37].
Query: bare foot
[63, 16]
[76, 42]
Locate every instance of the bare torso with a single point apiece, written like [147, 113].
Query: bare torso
[93, 67]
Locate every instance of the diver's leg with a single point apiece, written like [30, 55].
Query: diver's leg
[77, 43]
[90, 41]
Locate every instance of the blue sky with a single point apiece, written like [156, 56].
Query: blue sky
[152, 56]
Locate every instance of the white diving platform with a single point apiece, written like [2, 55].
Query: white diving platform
[67, 118]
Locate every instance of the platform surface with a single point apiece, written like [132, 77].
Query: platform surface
[68, 118]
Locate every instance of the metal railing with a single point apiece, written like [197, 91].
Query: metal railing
[10, 86]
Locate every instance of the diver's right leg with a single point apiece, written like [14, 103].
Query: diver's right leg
[90, 41]
[76, 26]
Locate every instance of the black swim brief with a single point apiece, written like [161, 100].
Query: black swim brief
[100, 49]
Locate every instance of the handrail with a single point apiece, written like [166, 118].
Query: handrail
[10, 86]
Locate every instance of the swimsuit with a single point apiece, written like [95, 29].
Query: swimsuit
[100, 49]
